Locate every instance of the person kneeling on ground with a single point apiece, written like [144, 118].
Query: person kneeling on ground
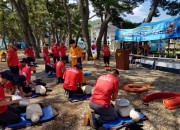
[105, 90]
[72, 80]
[8, 114]
[83, 77]
[60, 68]
[49, 68]
[22, 64]
[9, 87]
[27, 73]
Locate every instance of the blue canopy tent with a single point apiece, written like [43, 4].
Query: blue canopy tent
[165, 29]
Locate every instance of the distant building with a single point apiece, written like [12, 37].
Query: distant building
[110, 33]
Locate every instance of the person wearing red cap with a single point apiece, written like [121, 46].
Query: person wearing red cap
[45, 51]
[13, 60]
[55, 52]
[8, 115]
[72, 80]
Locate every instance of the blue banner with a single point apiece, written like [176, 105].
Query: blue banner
[169, 28]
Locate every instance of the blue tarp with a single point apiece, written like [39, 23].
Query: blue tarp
[169, 28]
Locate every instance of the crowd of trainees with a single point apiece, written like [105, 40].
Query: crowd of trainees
[105, 88]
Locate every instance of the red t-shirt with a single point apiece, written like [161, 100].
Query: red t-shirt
[106, 51]
[45, 52]
[59, 69]
[27, 71]
[104, 87]
[55, 51]
[54, 65]
[72, 76]
[20, 65]
[62, 50]
[2, 97]
[8, 85]
[14, 60]
[29, 52]
[47, 61]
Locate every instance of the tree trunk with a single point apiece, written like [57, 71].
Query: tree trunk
[57, 37]
[68, 20]
[78, 34]
[53, 33]
[152, 11]
[36, 48]
[105, 34]
[4, 34]
[101, 33]
[27, 30]
[84, 11]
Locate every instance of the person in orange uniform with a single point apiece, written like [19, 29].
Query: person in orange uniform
[63, 50]
[26, 71]
[75, 52]
[55, 52]
[45, 51]
[29, 52]
[8, 115]
[105, 90]
[60, 68]
[13, 60]
[106, 54]
[72, 80]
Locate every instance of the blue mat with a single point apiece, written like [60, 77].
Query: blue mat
[47, 115]
[121, 121]
[76, 98]
[50, 75]
[34, 95]
[87, 73]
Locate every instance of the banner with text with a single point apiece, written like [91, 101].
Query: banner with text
[169, 28]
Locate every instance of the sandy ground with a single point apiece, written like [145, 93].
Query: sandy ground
[71, 114]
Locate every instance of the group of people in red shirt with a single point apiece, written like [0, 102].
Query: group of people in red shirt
[58, 53]
[105, 87]
[16, 79]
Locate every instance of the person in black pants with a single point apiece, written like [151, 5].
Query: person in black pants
[13, 60]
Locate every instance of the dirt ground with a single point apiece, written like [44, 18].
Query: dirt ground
[71, 114]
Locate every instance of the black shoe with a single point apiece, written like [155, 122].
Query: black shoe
[93, 122]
